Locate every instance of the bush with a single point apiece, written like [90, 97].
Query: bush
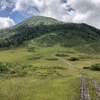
[86, 67]
[51, 59]
[61, 55]
[95, 67]
[3, 68]
[73, 59]
[58, 67]
[31, 49]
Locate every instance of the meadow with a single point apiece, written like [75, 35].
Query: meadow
[45, 77]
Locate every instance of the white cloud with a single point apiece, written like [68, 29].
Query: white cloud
[85, 11]
[4, 4]
[6, 22]
[52, 8]
[26, 6]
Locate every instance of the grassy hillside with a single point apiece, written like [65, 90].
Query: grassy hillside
[78, 40]
[45, 58]
[24, 30]
[50, 32]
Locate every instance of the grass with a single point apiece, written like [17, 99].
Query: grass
[30, 88]
[51, 58]
[92, 91]
[52, 78]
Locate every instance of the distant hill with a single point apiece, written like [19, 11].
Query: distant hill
[48, 32]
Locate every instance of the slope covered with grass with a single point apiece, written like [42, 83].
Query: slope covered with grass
[50, 32]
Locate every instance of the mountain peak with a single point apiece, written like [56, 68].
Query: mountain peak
[38, 20]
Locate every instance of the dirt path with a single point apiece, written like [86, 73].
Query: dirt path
[96, 85]
[64, 61]
[84, 93]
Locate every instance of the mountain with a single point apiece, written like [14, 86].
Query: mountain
[39, 20]
[46, 31]
[30, 22]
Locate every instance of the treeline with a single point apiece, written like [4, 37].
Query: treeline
[24, 33]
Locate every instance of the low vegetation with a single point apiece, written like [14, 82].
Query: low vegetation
[51, 59]
[30, 88]
[86, 67]
[73, 59]
[35, 57]
[94, 67]
[18, 70]
[61, 55]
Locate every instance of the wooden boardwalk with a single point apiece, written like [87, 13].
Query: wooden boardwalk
[96, 85]
[84, 93]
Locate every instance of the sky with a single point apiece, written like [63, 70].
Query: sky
[13, 12]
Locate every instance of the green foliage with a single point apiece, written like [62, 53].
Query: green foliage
[86, 67]
[72, 33]
[31, 49]
[49, 32]
[95, 46]
[51, 59]
[39, 20]
[95, 67]
[3, 68]
[73, 59]
[61, 55]
[19, 70]
[14, 69]
[35, 57]
[58, 67]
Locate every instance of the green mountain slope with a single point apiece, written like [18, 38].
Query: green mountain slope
[39, 20]
[77, 39]
[30, 22]
[49, 32]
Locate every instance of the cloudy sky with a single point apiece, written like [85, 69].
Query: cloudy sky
[78, 11]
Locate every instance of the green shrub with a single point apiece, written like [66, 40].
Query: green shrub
[31, 49]
[61, 55]
[58, 67]
[51, 59]
[86, 67]
[95, 67]
[3, 68]
[73, 59]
